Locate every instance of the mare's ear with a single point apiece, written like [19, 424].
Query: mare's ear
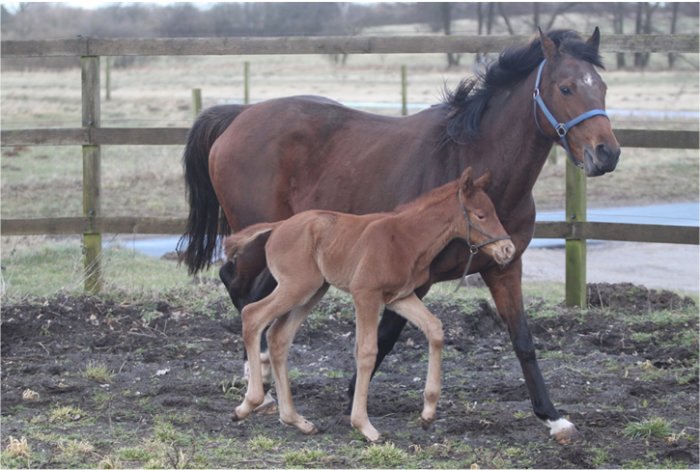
[594, 40]
[465, 181]
[483, 181]
[549, 49]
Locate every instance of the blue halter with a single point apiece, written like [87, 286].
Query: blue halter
[561, 128]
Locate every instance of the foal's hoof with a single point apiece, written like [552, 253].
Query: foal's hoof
[426, 423]
[235, 418]
[563, 431]
[308, 428]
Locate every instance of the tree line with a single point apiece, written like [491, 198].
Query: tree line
[59, 21]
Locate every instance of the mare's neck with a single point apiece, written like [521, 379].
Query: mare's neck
[510, 145]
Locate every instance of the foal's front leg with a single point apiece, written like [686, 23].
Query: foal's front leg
[412, 309]
[367, 309]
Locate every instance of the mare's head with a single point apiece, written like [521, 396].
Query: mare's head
[573, 94]
[481, 226]
[569, 88]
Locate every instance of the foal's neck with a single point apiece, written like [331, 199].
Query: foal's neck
[434, 220]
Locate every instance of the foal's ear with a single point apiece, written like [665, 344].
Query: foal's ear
[465, 181]
[483, 181]
[594, 40]
[549, 49]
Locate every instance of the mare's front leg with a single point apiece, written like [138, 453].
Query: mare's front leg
[505, 285]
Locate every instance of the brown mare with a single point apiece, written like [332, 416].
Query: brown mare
[268, 161]
[380, 259]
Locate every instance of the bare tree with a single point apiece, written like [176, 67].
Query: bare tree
[618, 28]
[674, 21]
[446, 15]
[645, 10]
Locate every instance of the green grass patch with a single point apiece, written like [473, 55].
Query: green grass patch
[385, 455]
[305, 458]
[652, 427]
[98, 373]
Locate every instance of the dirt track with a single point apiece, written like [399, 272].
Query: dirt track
[627, 361]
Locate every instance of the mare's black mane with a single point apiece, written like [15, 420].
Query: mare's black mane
[468, 101]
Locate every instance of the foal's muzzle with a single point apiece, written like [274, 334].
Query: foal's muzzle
[601, 160]
[503, 252]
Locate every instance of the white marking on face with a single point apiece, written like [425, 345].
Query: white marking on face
[588, 79]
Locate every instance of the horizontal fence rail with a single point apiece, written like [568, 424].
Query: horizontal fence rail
[176, 226]
[84, 46]
[666, 139]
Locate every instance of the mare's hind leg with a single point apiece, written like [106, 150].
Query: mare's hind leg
[280, 337]
[416, 312]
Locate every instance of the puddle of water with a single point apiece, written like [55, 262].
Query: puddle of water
[684, 214]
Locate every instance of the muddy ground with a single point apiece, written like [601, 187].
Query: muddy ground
[170, 379]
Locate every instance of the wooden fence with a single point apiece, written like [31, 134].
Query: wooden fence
[91, 136]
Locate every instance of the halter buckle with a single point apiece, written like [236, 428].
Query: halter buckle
[561, 129]
[473, 249]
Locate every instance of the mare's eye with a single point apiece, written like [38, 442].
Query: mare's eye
[565, 90]
[480, 216]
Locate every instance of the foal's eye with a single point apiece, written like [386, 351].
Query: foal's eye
[565, 90]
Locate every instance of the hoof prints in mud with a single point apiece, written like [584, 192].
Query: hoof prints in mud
[605, 367]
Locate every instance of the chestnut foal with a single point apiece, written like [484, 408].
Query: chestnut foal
[380, 259]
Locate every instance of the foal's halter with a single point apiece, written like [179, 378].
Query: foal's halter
[473, 248]
[561, 128]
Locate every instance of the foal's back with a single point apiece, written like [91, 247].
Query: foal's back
[325, 244]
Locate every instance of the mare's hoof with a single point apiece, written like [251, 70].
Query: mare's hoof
[343, 419]
[563, 431]
[235, 418]
[567, 436]
[426, 423]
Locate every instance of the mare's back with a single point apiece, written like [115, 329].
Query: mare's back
[300, 153]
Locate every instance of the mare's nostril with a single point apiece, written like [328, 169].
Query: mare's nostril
[607, 154]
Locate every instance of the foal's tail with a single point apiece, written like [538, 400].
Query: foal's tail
[204, 223]
[236, 242]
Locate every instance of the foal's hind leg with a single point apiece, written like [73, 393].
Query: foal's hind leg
[416, 312]
[280, 337]
[246, 281]
[256, 317]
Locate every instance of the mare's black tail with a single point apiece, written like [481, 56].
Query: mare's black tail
[203, 224]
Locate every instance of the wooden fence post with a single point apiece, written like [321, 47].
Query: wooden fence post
[196, 102]
[246, 82]
[92, 239]
[404, 91]
[575, 247]
[108, 78]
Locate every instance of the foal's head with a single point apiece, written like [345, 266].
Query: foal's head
[481, 227]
